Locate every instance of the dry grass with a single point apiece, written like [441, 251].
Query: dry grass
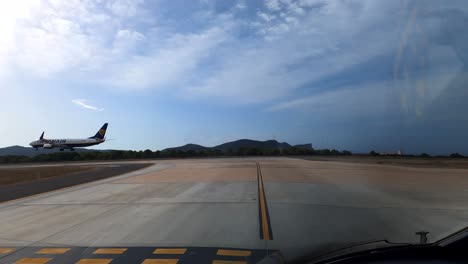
[22, 175]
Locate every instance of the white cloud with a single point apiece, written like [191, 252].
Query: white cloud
[331, 38]
[48, 37]
[44, 38]
[293, 44]
[299, 49]
[273, 5]
[124, 8]
[252, 76]
[127, 41]
[88, 40]
[58, 45]
[373, 98]
[265, 16]
[368, 99]
[83, 103]
[296, 9]
[167, 65]
[241, 5]
[55, 37]
[311, 3]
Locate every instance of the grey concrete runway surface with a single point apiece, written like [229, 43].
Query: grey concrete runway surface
[215, 203]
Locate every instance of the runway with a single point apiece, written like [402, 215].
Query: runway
[207, 205]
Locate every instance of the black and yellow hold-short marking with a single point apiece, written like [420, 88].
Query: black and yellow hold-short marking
[235, 253]
[228, 262]
[160, 261]
[137, 255]
[264, 218]
[110, 251]
[6, 250]
[94, 261]
[53, 251]
[172, 251]
[33, 261]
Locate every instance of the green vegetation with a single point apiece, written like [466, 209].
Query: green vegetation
[456, 155]
[148, 154]
[208, 152]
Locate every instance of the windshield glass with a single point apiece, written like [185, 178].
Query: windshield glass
[229, 130]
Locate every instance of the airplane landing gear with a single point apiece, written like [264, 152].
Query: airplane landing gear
[72, 149]
[61, 149]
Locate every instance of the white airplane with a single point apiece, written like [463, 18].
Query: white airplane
[70, 143]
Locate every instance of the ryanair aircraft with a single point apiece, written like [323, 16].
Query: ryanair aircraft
[70, 143]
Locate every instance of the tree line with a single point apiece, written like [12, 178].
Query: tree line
[148, 154]
[422, 155]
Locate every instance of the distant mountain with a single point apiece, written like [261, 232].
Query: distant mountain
[248, 143]
[188, 147]
[226, 147]
[238, 144]
[31, 152]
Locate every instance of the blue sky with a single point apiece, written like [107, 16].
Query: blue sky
[357, 75]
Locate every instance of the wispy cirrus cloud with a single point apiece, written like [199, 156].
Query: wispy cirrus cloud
[83, 103]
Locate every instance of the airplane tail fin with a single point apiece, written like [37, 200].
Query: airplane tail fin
[101, 133]
[42, 136]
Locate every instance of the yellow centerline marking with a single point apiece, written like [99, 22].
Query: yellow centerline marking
[237, 253]
[6, 250]
[228, 262]
[266, 231]
[33, 261]
[110, 251]
[53, 251]
[174, 251]
[160, 261]
[94, 261]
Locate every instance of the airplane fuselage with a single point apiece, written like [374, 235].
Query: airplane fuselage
[98, 138]
[65, 143]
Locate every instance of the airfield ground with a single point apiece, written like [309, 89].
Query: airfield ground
[247, 205]
[22, 181]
